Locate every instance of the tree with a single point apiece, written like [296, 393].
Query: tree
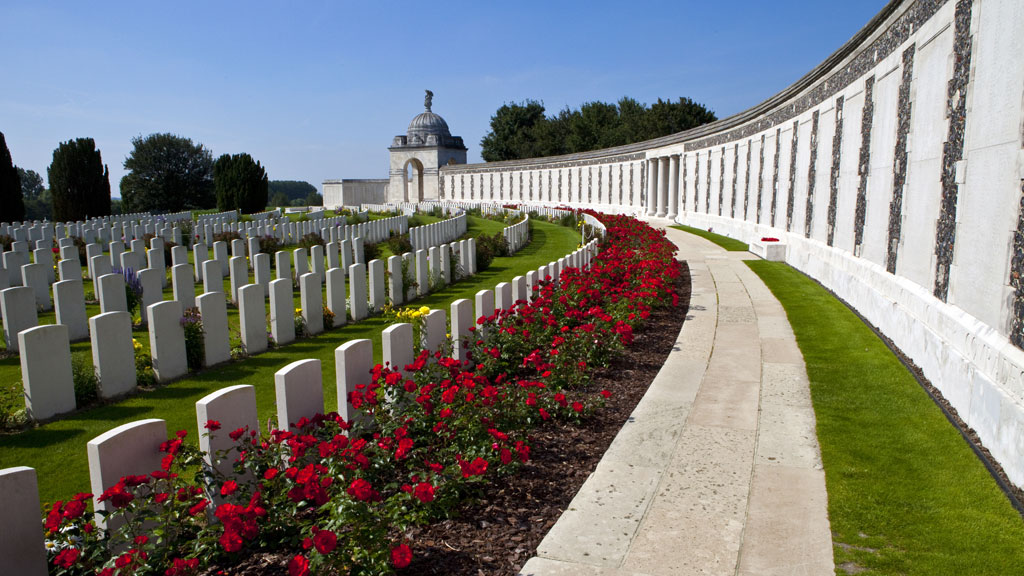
[279, 199]
[167, 173]
[523, 131]
[12, 205]
[79, 181]
[314, 199]
[513, 132]
[38, 201]
[240, 183]
[291, 189]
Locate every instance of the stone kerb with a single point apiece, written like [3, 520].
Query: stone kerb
[167, 340]
[46, 371]
[233, 407]
[132, 448]
[21, 533]
[113, 353]
[300, 393]
[213, 310]
[353, 361]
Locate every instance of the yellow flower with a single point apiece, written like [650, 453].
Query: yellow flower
[424, 310]
[136, 345]
[298, 310]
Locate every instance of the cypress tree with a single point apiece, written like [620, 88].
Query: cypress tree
[12, 204]
[240, 183]
[79, 181]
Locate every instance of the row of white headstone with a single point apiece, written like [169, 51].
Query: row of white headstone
[133, 448]
[45, 350]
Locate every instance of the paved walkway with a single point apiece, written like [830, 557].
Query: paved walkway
[718, 469]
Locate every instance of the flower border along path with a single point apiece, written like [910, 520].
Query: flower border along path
[418, 439]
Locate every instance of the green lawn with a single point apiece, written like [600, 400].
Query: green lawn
[730, 244]
[906, 494]
[57, 449]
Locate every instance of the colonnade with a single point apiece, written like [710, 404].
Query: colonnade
[663, 186]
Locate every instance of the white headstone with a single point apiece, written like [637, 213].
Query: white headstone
[357, 288]
[183, 285]
[282, 315]
[312, 302]
[283, 265]
[395, 288]
[132, 448]
[233, 407]
[167, 340]
[432, 333]
[46, 370]
[252, 316]
[113, 353]
[422, 273]
[377, 281]
[261, 269]
[352, 361]
[213, 310]
[239, 273]
[34, 276]
[462, 321]
[336, 295]
[300, 392]
[21, 532]
[111, 294]
[152, 290]
[220, 254]
[69, 301]
[396, 346]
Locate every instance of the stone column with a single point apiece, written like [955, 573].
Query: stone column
[652, 185]
[673, 186]
[662, 185]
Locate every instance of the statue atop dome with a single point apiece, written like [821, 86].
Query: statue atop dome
[428, 100]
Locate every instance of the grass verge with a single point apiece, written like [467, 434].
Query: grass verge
[57, 449]
[730, 244]
[906, 495]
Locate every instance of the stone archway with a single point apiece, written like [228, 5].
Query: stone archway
[412, 174]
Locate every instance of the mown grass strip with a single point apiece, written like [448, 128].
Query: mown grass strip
[57, 449]
[730, 244]
[906, 494]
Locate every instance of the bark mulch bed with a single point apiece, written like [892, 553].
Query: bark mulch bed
[496, 534]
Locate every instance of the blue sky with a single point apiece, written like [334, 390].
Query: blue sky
[316, 90]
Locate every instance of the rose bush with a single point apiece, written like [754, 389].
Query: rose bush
[339, 495]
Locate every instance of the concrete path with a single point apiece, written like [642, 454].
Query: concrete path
[718, 469]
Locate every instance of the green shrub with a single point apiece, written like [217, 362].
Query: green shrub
[310, 240]
[488, 247]
[227, 236]
[371, 251]
[269, 244]
[195, 352]
[399, 244]
[84, 376]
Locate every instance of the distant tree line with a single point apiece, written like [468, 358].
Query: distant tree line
[166, 173]
[521, 130]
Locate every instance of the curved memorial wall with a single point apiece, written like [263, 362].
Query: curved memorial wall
[893, 173]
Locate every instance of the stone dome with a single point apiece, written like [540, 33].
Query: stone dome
[426, 124]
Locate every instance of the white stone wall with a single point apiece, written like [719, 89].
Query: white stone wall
[899, 69]
[339, 193]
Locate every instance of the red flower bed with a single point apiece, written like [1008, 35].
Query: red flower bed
[342, 495]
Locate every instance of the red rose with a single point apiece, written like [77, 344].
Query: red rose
[361, 490]
[424, 492]
[401, 556]
[298, 566]
[325, 541]
[212, 425]
[67, 557]
[270, 473]
[228, 488]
